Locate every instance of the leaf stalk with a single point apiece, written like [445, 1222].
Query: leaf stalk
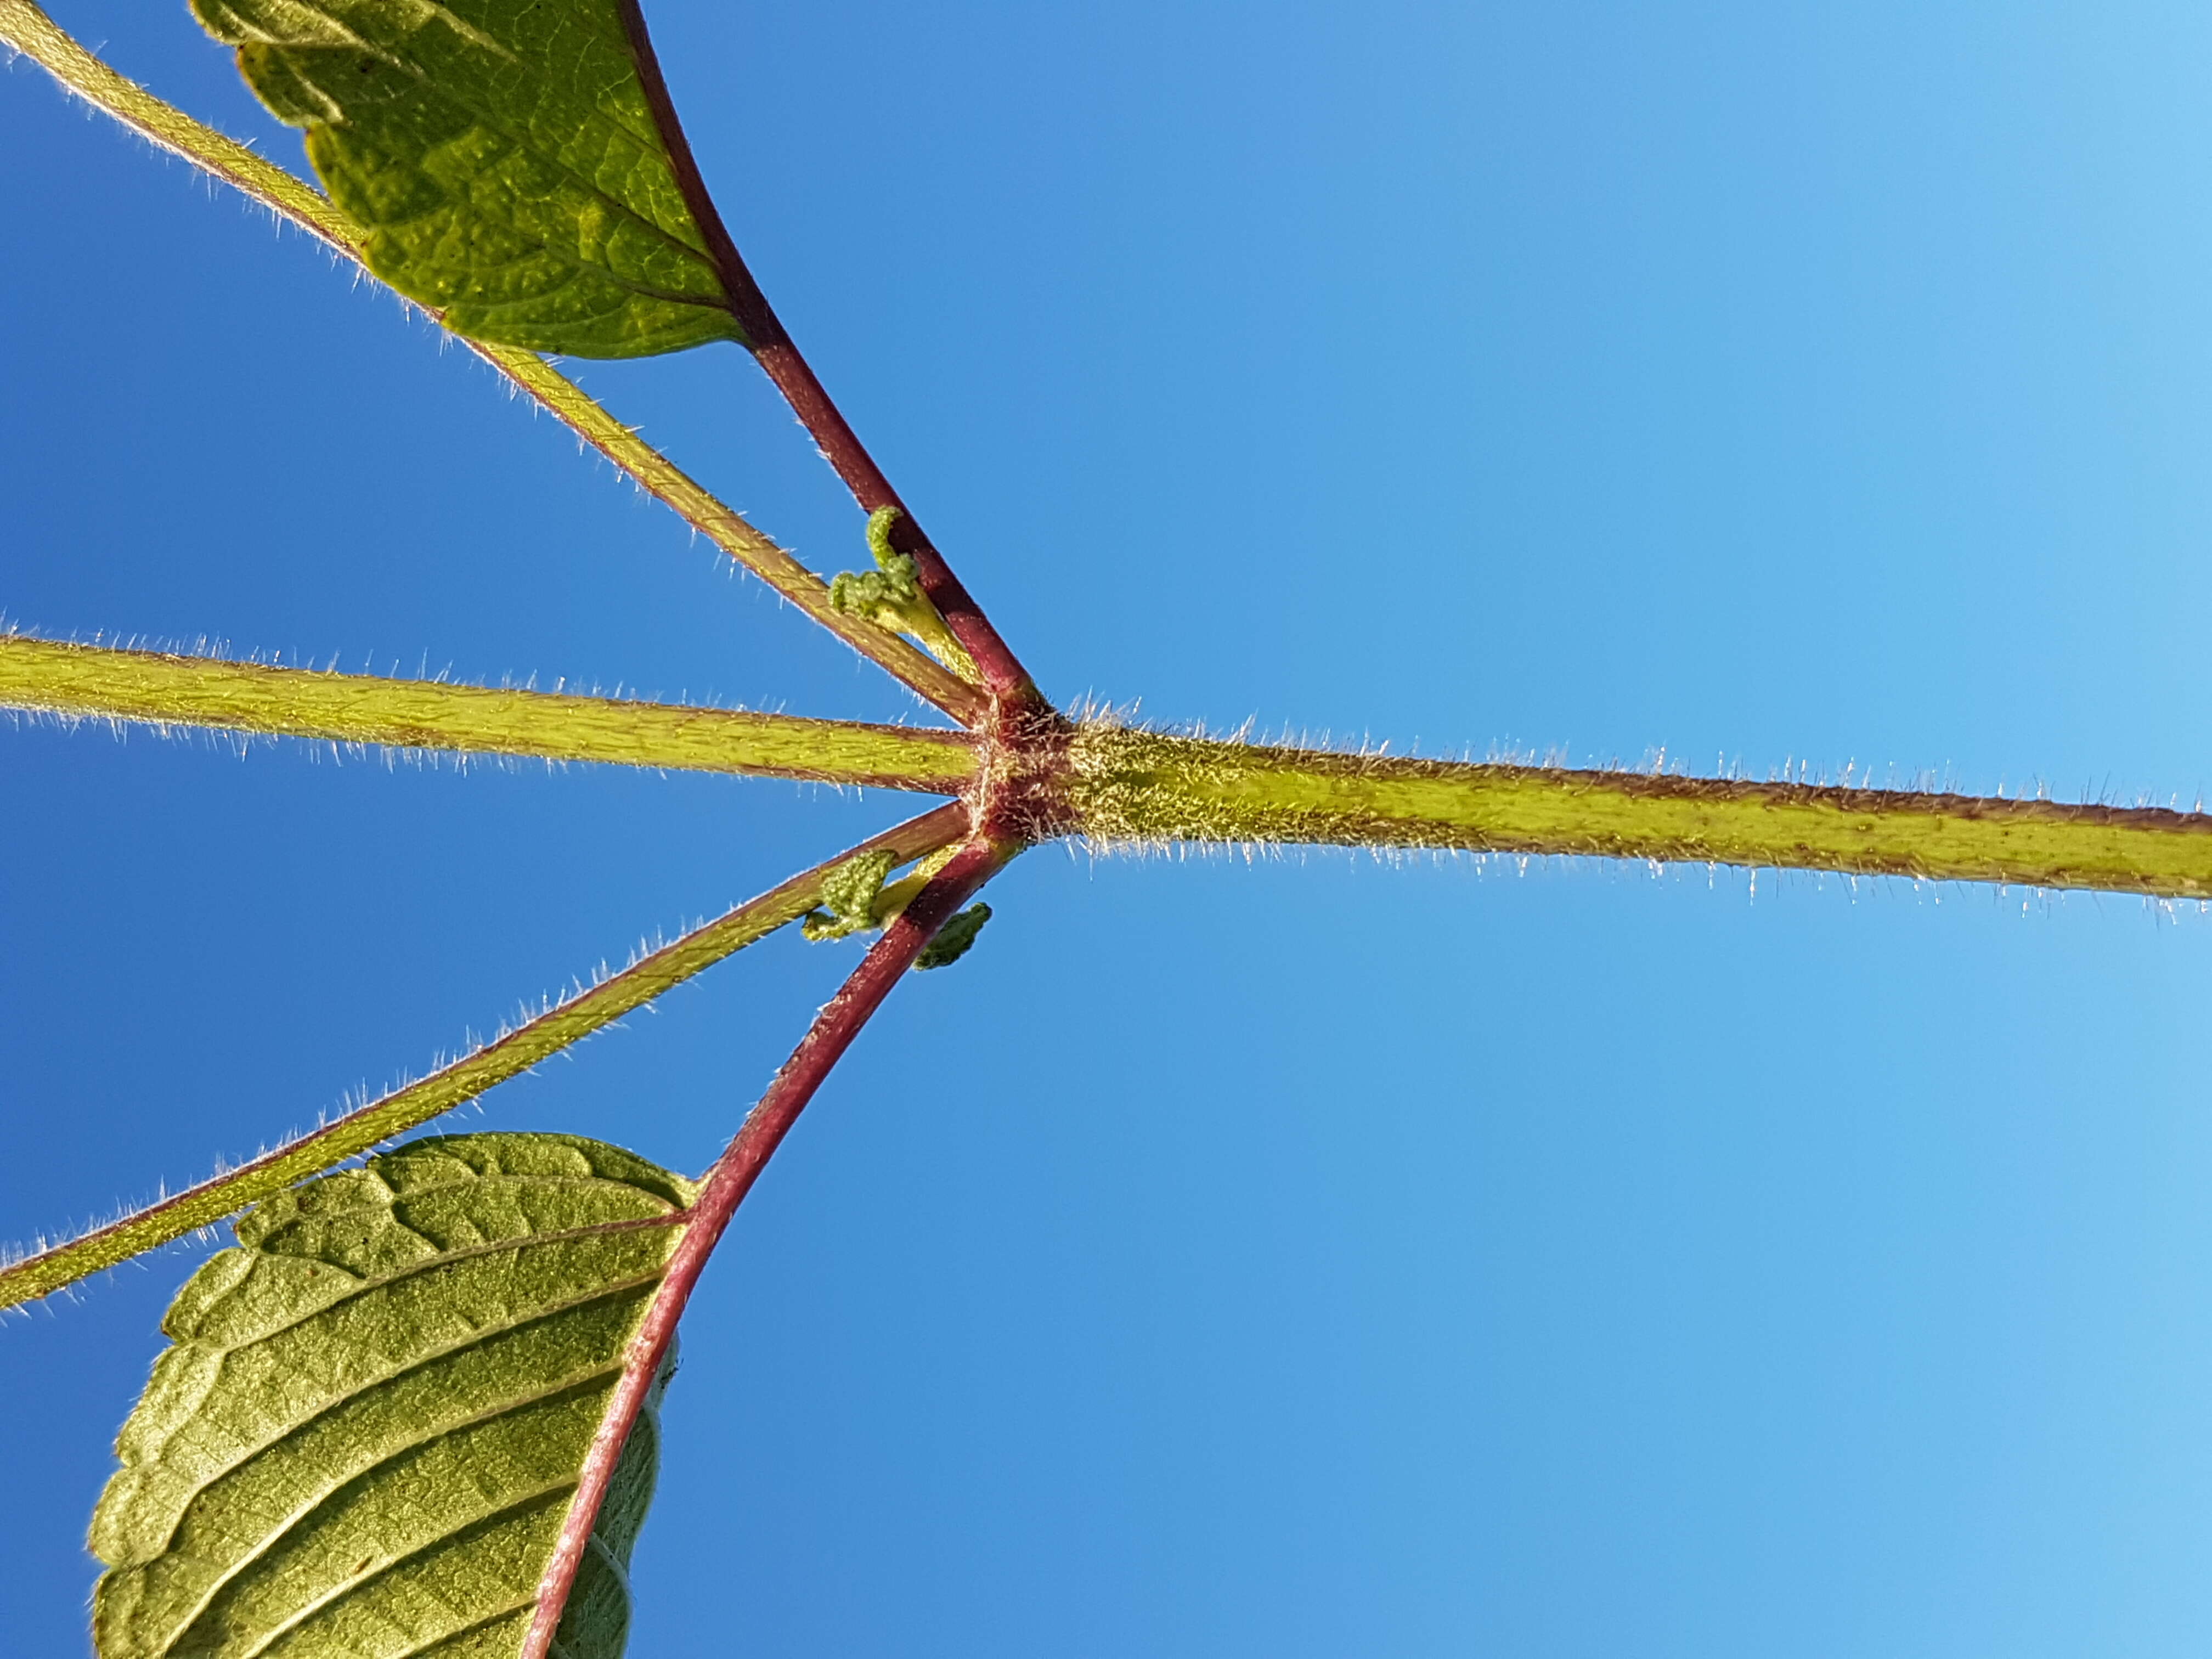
[772, 347]
[724, 1189]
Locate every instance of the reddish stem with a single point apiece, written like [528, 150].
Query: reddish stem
[1003, 677]
[770, 343]
[725, 1188]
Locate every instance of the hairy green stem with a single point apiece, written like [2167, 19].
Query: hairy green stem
[727, 530]
[1122, 784]
[152, 687]
[27, 28]
[1113, 784]
[408, 1108]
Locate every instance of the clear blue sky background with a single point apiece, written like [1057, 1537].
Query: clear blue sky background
[1312, 1257]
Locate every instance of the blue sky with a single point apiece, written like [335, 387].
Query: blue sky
[1308, 1256]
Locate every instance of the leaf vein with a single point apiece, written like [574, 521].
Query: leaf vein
[468, 1253]
[285, 1526]
[653, 152]
[339, 1594]
[474, 1339]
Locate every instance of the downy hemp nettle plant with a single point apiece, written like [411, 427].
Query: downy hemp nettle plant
[415, 1411]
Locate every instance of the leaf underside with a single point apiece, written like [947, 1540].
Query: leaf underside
[502, 158]
[365, 1438]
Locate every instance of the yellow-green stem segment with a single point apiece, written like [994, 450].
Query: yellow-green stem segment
[1132, 786]
[152, 687]
[27, 28]
[409, 1108]
[727, 530]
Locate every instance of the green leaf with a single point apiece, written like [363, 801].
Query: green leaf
[502, 157]
[954, 939]
[366, 1437]
[850, 893]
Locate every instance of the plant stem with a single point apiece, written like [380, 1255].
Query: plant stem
[100, 682]
[1112, 784]
[724, 1187]
[1002, 672]
[27, 28]
[1128, 786]
[723, 526]
[24, 26]
[771, 343]
[408, 1108]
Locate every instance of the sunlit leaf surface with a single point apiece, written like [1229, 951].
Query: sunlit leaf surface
[365, 1438]
[502, 158]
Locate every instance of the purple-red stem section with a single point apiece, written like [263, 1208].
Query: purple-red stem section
[770, 343]
[725, 1188]
[1002, 672]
